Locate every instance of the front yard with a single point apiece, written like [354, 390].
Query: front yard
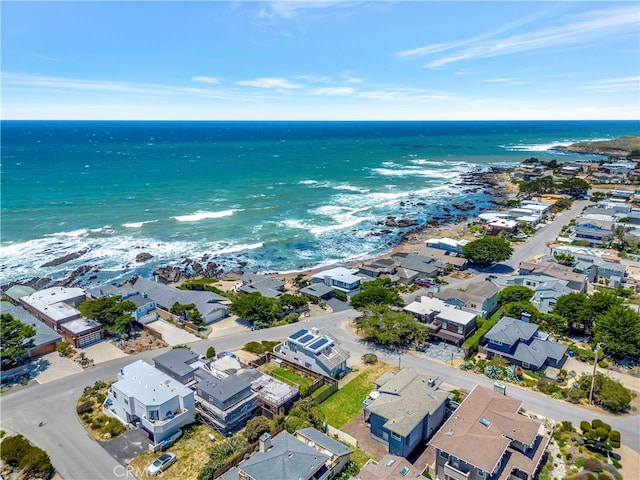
[89, 409]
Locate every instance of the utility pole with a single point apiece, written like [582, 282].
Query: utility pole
[593, 377]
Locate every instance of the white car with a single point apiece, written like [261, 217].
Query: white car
[161, 463]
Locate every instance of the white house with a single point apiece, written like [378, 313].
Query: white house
[146, 397]
[340, 278]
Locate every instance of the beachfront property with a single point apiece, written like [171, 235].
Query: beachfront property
[225, 402]
[377, 267]
[480, 298]
[146, 397]
[500, 225]
[45, 340]
[343, 279]
[146, 308]
[444, 321]
[450, 260]
[305, 456]
[520, 342]
[406, 408]
[487, 438]
[448, 244]
[262, 284]
[575, 281]
[314, 351]
[390, 467]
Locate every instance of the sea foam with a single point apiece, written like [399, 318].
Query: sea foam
[203, 215]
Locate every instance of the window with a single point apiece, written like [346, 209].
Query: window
[404, 471]
[153, 415]
[444, 454]
[395, 436]
[525, 365]
[126, 402]
[460, 329]
[308, 365]
[115, 395]
[496, 342]
[444, 324]
[481, 473]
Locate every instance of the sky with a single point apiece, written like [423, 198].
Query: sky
[320, 60]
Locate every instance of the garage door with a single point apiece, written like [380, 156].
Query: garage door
[89, 339]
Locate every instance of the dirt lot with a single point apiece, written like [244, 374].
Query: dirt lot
[140, 341]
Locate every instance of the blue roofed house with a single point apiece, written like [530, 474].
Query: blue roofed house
[145, 396]
[406, 408]
[546, 294]
[522, 344]
[314, 351]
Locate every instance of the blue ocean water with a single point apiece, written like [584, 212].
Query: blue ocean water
[263, 196]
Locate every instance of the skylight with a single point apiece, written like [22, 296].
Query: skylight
[485, 422]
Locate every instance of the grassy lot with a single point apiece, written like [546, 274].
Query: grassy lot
[288, 376]
[192, 452]
[346, 403]
[89, 409]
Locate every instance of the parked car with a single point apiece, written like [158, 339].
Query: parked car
[161, 463]
[423, 282]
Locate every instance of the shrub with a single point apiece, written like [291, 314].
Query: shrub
[254, 347]
[100, 398]
[211, 352]
[33, 461]
[369, 358]
[603, 364]
[114, 427]
[256, 427]
[84, 407]
[592, 464]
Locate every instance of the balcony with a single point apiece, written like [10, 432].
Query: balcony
[167, 424]
[434, 327]
[452, 472]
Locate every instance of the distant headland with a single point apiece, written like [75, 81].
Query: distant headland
[620, 147]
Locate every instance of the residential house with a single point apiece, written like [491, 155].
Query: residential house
[422, 266]
[499, 225]
[179, 363]
[377, 267]
[444, 321]
[390, 467]
[146, 397]
[275, 397]
[575, 281]
[339, 278]
[55, 305]
[620, 195]
[619, 207]
[448, 244]
[480, 298]
[487, 438]
[530, 281]
[16, 292]
[146, 308]
[546, 294]
[521, 343]
[286, 456]
[212, 307]
[339, 454]
[81, 332]
[570, 170]
[450, 260]
[601, 214]
[45, 339]
[225, 402]
[406, 408]
[527, 172]
[319, 291]
[263, 284]
[314, 351]
[609, 178]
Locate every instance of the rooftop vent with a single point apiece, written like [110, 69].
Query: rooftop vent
[485, 422]
[390, 462]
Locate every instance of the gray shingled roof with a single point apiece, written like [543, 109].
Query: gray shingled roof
[510, 330]
[328, 443]
[288, 458]
[43, 335]
[177, 360]
[316, 290]
[424, 265]
[221, 390]
[266, 286]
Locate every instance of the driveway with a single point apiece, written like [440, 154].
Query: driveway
[172, 334]
[103, 352]
[56, 367]
[128, 446]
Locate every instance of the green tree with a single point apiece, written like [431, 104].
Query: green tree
[598, 436]
[291, 302]
[256, 427]
[515, 293]
[309, 414]
[487, 250]
[619, 235]
[515, 310]
[111, 312]
[64, 348]
[187, 312]
[619, 330]
[562, 204]
[574, 186]
[211, 352]
[597, 196]
[565, 259]
[608, 393]
[397, 329]
[376, 292]
[553, 323]
[260, 311]
[15, 340]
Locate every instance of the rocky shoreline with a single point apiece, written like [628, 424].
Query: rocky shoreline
[620, 147]
[494, 182]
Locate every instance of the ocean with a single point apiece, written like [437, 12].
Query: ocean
[254, 196]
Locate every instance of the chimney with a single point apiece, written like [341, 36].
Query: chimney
[432, 382]
[264, 442]
[525, 317]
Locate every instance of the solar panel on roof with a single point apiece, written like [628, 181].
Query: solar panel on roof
[318, 343]
[306, 338]
[299, 333]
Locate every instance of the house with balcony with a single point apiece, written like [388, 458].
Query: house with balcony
[520, 343]
[593, 232]
[406, 408]
[225, 402]
[340, 278]
[304, 456]
[275, 397]
[487, 438]
[449, 260]
[444, 321]
[147, 398]
[480, 298]
[314, 351]
[422, 265]
[179, 363]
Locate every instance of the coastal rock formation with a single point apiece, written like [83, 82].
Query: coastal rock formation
[143, 257]
[620, 147]
[168, 274]
[401, 223]
[78, 272]
[63, 259]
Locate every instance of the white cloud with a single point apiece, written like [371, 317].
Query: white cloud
[334, 91]
[616, 85]
[578, 30]
[500, 80]
[269, 83]
[211, 80]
